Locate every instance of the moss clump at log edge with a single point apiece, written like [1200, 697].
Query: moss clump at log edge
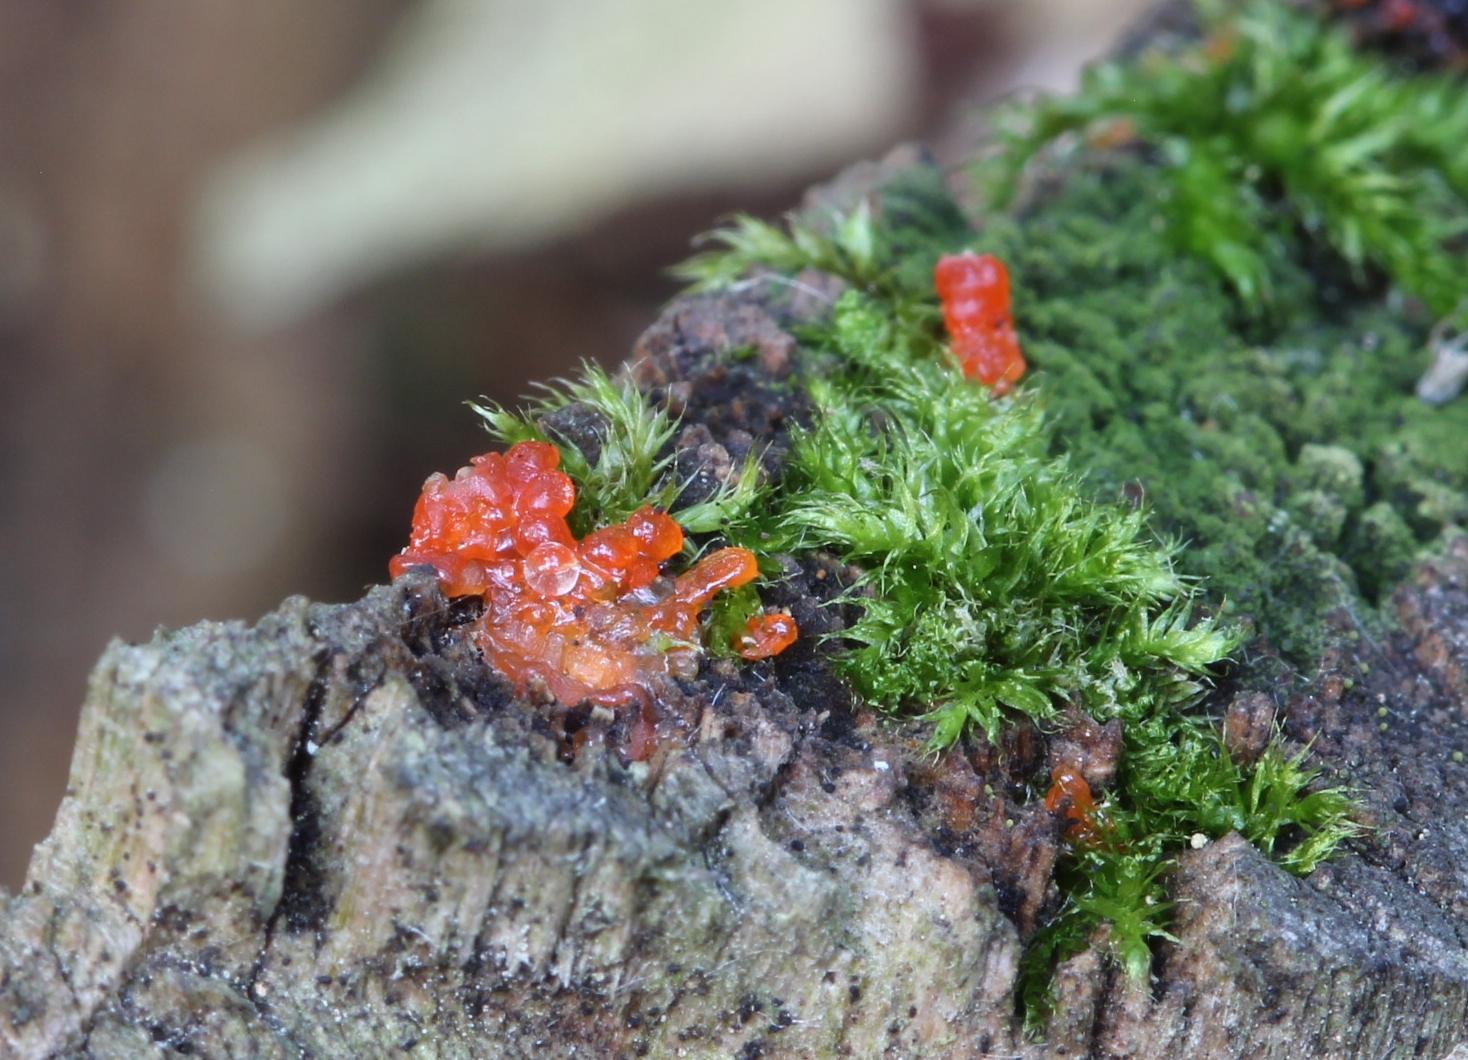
[1230, 371]
[1229, 314]
[1291, 456]
[1272, 124]
[1000, 583]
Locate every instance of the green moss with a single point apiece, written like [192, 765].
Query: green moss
[1332, 470]
[633, 465]
[1328, 487]
[1175, 789]
[994, 586]
[1261, 444]
[1160, 381]
[1000, 584]
[726, 620]
[1273, 125]
[1384, 546]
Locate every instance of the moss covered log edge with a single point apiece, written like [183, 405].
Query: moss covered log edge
[1226, 261]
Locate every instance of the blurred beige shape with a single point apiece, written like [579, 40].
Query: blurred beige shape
[1446, 377]
[1061, 36]
[493, 123]
[216, 506]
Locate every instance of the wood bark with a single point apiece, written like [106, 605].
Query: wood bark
[335, 833]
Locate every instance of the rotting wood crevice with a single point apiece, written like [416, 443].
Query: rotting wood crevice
[298, 876]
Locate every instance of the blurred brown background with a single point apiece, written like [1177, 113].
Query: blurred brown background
[254, 256]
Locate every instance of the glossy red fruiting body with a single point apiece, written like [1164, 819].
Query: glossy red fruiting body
[974, 291]
[589, 620]
[766, 635]
[1070, 792]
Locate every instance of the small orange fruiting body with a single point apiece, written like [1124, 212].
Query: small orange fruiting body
[974, 290]
[590, 620]
[1070, 792]
[766, 635]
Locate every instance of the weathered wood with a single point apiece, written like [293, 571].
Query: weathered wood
[334, 833]
[422, 868]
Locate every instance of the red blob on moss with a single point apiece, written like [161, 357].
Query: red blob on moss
[766, 635]
[1070, 792]
[974, 290]
[589, 620]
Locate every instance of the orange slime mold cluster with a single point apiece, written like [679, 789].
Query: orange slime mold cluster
[591, 619]
[1068, 789]
[974, 290]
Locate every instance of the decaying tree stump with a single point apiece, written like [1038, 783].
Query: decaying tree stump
[337, 833]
